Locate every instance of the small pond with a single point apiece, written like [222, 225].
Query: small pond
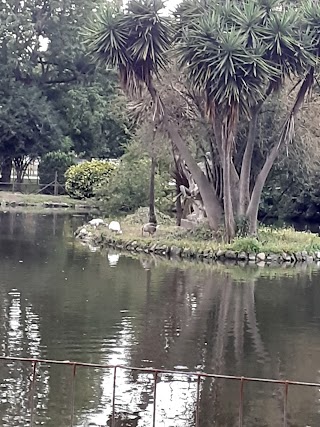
[61, 300]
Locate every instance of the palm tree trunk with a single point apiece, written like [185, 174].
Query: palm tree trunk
[253, 208]
[229, 221]
[244, 184]
[152, 213]
[228, 127]
[217, 127]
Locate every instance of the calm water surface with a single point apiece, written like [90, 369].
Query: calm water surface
[60, 300]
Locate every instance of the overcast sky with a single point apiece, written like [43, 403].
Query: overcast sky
[171, 4]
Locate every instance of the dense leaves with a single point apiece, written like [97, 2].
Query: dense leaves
[28, 125]
[85, 179]
[128, 186]
[52, 96]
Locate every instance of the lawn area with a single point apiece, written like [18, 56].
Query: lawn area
[41, 199]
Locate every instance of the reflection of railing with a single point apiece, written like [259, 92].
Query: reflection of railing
[198, 376]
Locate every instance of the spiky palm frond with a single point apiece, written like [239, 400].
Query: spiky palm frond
[135, 43]
[149, 40]
[107, 38]
[221, 65]
[186, 15]
[270, 6]
[249, 18]
[311, 23]
[284, 46]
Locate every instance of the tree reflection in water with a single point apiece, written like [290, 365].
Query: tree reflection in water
[202, 316]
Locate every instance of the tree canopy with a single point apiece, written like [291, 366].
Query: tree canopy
[48, 78]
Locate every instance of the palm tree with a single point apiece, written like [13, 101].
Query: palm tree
[236, 56]
[136, 43]
[232, 77]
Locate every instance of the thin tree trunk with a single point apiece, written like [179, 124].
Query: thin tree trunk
[178, 205]
[233, 172]
[286, 136]
[152, 213]
[209, 197]
[6, 168]
[227, 197]
[253, 208]
[244, 183]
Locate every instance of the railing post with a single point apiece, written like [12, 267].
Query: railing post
[241, 402]
[154, 399]
[73, 381]
[32, 392]
[198, 401]
[114, 397]
[285, 403]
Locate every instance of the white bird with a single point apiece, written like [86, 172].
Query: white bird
[115, 227]
[96, 222]
[83, 232]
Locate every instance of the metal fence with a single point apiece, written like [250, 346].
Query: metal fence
[34, 187]
[198, 377]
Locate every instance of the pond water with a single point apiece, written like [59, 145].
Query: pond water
[61, 300]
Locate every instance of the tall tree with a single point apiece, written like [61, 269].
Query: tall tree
[41, 47]
[28, 126]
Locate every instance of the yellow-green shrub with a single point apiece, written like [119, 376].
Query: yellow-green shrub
[84, 179]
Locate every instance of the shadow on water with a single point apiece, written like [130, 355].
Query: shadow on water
[60, 300]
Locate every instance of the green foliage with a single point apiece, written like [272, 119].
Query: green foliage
[52, 162]
[277, 240]
[85, 179]
[128, 187]
[242, 226]
[28, 125]
[96, 118]
[247, 245]
[50, 90]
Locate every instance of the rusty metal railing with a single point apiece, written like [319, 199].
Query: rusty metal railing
[198, 376]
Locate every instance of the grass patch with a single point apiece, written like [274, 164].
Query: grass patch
[6, 196]
[269, 240]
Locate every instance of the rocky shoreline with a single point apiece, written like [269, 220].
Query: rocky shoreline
[104, 239]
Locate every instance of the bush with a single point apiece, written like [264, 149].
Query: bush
[246, 244]
[55, 161]
[85, 179]
[128, 187]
